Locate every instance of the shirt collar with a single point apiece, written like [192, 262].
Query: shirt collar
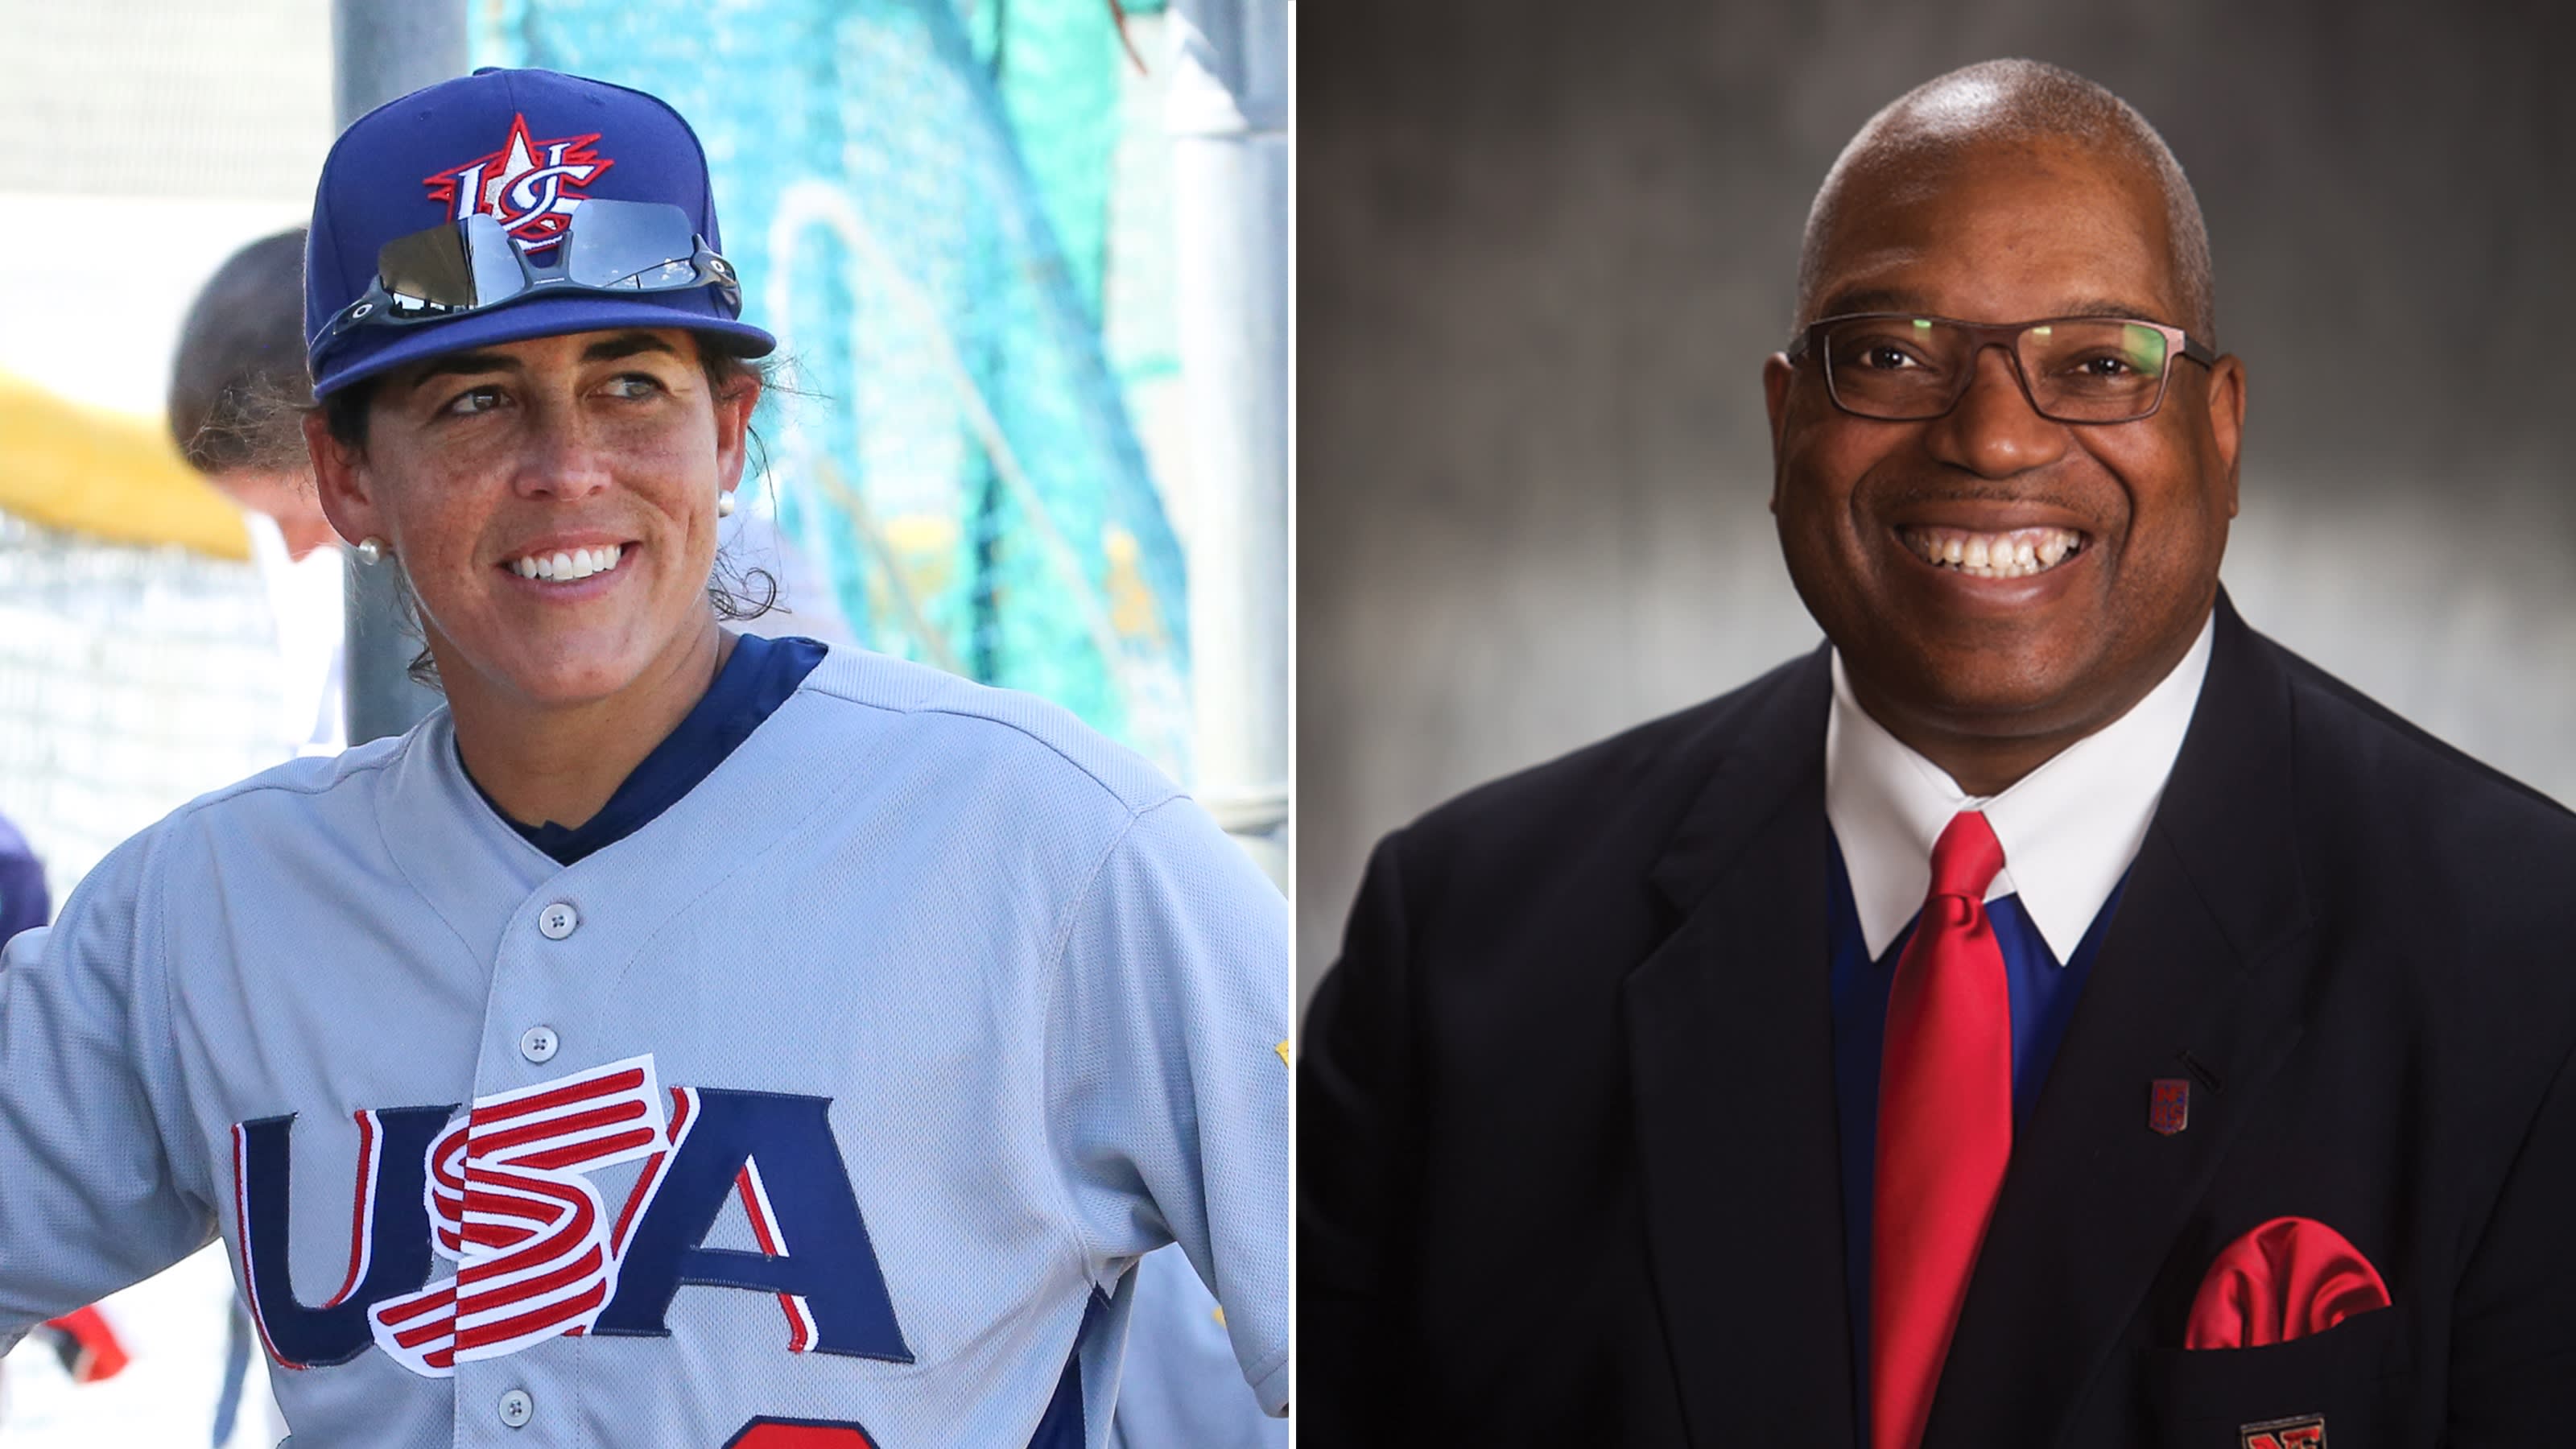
[2068, 829]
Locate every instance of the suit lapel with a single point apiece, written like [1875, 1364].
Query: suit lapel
[2198, 981]
[1730, 1033]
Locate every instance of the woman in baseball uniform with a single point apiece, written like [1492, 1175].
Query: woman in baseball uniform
[682, 1038]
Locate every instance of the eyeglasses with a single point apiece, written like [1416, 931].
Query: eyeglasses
[471, 264]
[1902, 368]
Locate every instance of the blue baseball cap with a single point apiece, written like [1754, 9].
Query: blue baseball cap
[527, 148]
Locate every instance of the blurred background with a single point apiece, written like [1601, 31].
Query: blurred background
[1027, 260]
[1542, 254]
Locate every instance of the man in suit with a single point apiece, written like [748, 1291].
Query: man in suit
[2050, 1014]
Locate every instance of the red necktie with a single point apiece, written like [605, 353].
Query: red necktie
[1944, 1130]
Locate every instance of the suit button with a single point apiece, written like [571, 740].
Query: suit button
[517, 1408]
[557, 921]
[538, 1044]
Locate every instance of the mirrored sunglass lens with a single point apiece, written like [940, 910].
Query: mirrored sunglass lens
[448, 268]
[428, 267]
[497, 273]
[2095, 370]
[1893, 366]
[639, 245]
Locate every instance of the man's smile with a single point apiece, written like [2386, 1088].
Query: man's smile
[2006, 554]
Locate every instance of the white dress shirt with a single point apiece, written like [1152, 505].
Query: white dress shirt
[2068, 829]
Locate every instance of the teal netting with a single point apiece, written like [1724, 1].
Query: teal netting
[952, 214]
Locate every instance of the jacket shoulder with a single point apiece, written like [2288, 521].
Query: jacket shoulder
[2377, 752]
[2392, 815]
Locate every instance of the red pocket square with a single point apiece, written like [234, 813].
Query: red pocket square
[2286, 1279]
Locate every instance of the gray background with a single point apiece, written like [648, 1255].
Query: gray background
[1543, 248]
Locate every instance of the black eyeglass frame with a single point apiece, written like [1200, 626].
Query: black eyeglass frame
[2006, 335]
[480, 234]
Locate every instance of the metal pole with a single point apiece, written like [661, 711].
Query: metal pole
[382, 49]
[1228, 118]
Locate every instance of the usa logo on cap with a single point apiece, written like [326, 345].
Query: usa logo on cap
[531, 187]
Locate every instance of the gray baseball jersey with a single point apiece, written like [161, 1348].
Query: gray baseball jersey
[827, 1110]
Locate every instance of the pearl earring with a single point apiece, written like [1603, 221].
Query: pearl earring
[724, 503]
[371, 550]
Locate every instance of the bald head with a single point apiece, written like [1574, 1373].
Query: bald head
[2010, 104]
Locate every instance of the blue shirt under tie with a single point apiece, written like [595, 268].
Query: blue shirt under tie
[2043, 1001]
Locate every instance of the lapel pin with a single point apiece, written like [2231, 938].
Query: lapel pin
[2169, 1109]
[2308, 1431]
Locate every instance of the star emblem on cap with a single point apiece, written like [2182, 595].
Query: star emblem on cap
[531, 187]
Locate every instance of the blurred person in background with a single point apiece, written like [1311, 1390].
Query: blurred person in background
[239, 369]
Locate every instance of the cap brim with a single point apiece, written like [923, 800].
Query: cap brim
[539, 316]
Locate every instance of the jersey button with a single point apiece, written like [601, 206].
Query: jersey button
[517, 1408]
[538, 1044]
[557, 921]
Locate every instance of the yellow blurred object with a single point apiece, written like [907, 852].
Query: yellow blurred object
[1131, 599]
[110, 477]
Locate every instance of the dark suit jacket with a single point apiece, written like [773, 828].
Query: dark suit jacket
[1566, 1116]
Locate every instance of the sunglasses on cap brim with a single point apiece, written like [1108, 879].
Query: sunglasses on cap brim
[610, 248]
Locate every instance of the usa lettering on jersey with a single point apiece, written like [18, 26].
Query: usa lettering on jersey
[509, 1200]
[504, 1194]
